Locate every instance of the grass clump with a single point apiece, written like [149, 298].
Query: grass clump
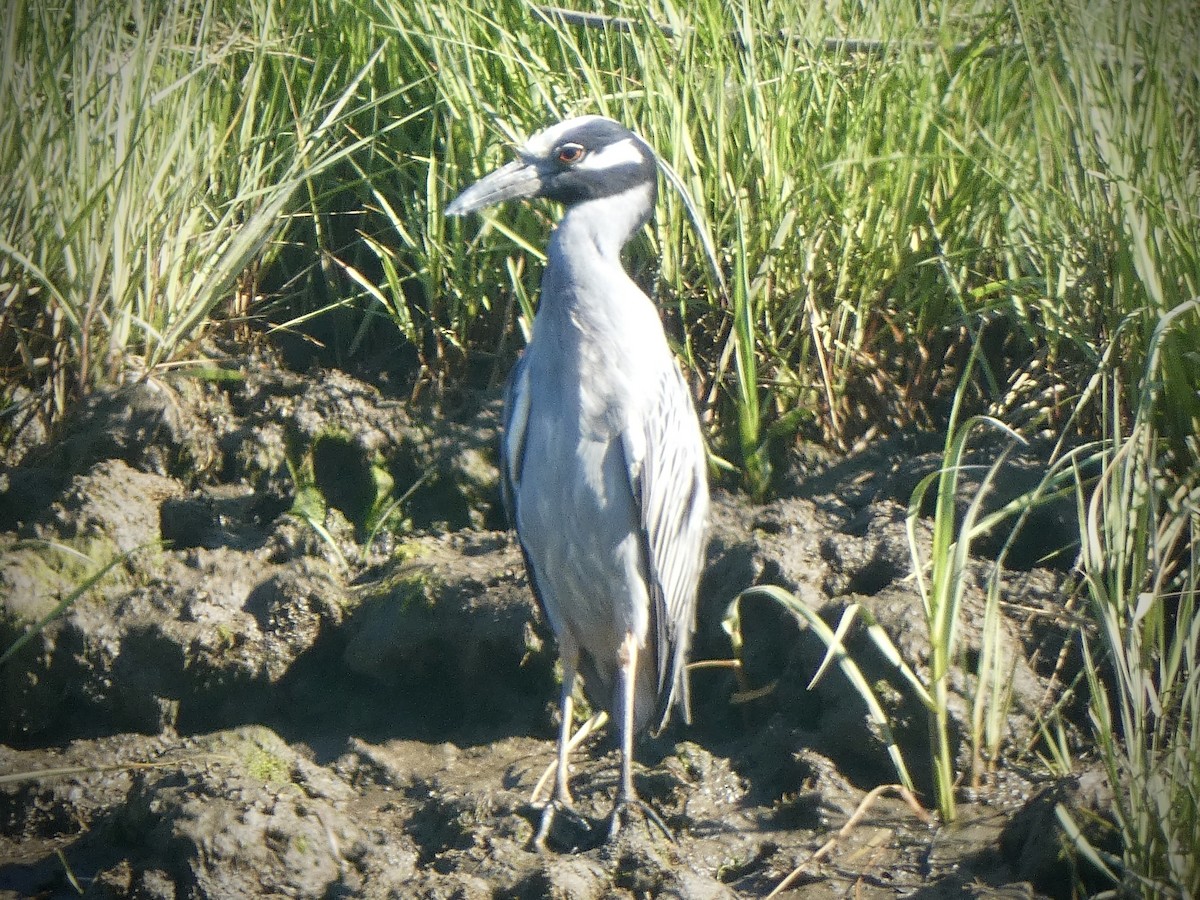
[148, 156]
[1141, 568]
[941, 581]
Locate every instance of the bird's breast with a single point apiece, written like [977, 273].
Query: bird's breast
[575, 510]
[579, 524]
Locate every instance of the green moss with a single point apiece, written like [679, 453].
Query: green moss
[263, 754]
[410, 550]
[416, 587]
[255, 750]
[226, 639]
[406, 581]
[266, 766]
[36, 575]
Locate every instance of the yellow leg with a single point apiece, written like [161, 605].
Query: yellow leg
[561, 800]
[566, 706]
[627, 681]
[627, 797]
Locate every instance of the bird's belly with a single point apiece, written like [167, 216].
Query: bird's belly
[577, 521]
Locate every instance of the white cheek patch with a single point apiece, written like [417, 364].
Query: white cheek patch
[622, 153]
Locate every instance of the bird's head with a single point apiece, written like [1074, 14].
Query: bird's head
[581, 159]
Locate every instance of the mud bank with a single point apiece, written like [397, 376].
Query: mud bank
[287, 685]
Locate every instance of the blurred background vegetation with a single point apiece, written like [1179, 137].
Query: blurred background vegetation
[986, 207]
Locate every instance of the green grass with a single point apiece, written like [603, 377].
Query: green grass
[1140, 564]
[1013, 183]
[148, 156]
[941, 580]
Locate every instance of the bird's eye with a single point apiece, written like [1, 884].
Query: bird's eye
[569, 154]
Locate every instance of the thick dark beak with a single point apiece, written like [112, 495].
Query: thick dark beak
[516, 180]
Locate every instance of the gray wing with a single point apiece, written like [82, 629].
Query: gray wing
[512, 460]
[668, 475]
[512, 437]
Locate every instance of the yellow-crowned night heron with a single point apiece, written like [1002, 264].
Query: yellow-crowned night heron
[603, 465]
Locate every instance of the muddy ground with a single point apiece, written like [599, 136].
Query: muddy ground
[267, 695]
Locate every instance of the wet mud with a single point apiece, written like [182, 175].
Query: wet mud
[287, 685]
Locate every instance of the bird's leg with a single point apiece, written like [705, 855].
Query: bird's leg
[566, 705]
[581, 734]
[627, 681]
[626, 793]
[561, 800]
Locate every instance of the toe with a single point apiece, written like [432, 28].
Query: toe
[627, 809]
[550, 812]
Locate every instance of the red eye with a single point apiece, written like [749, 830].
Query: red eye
[569, 154]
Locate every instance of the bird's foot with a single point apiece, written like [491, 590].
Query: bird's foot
[549, 811]
[624, 809]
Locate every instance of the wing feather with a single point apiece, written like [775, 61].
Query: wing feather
[514, 424]
[667, 472]
[512, 441]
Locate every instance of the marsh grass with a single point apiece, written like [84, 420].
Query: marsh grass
[808, 617]
[148, 156]
[875, 201]
[941, 580]
[1140, 565]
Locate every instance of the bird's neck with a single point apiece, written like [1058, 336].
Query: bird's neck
[602, 226]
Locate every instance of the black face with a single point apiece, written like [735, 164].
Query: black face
[598, 158]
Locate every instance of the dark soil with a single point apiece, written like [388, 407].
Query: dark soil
[268, 695]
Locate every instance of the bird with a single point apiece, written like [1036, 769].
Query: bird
[603, 465]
